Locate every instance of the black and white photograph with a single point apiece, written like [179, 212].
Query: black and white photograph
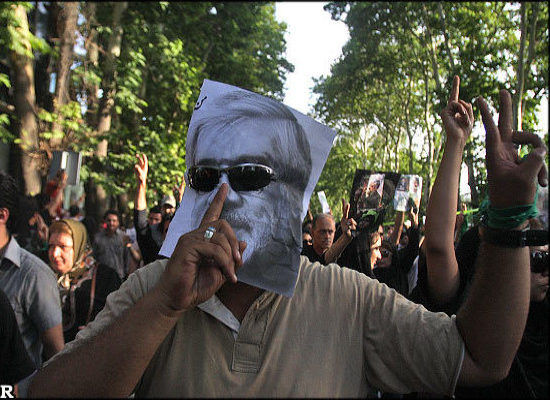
[262, 149]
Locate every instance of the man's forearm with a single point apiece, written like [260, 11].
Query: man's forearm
[397, 227]
[52, 341]
[141, 198]
[134, 253]
[443, 276]
[114, 357]
[332, 254]
[492, 319]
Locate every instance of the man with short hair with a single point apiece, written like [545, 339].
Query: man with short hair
[187, 327]
[112, 247]
[29, 284]
[323, 228]
[155, 216]
[75, 213]
[148, 229]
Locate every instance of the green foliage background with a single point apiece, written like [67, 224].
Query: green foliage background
[383, 95]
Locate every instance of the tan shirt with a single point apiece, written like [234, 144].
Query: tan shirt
[341, 334]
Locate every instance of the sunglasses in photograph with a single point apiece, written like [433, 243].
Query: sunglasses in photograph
[242, 177]
[539, 261]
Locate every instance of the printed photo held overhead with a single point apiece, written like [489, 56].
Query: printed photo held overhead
[408, 188]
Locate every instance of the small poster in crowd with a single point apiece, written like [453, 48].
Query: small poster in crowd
[371, 193]
[408, 193]
[324, 203]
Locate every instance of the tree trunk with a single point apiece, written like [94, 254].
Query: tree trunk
[520, 70]
[66, 25]
[432, 51]
[523, 69]
[446, 36]
[25, 106]
[92, 53]
[469, 161]
[42, 62]
[109, 75]
[98, 193]
[126, 214]
[408, 127]
[397, 141]
[96, 200]
[429, 161]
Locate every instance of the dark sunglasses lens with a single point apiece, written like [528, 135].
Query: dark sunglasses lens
[539, 261]
[203, 179]
[249, 177]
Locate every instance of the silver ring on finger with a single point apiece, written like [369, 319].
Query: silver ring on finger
[209, 233]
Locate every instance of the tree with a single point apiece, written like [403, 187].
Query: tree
[134, 73]
[18, 40]
[66, 34]
[395, 71]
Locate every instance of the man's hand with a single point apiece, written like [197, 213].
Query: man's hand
[63, 180]
[347, 224]
[178, 190]
[512, 182]
[413, 216]
[126, 240]
[141, 168]
[458, 116]
[41, 228]
[198, 268]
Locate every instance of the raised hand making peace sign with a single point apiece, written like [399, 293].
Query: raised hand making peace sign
[512, 182]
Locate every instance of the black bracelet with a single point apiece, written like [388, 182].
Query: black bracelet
[514, 238]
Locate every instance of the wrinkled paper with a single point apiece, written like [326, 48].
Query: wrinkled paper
[231, 126]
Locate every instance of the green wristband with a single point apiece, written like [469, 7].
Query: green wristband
[508, 218]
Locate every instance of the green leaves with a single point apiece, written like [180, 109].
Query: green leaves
[166, 50]
[386, 92]
[5, 80]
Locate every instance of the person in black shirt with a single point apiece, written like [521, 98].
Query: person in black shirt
[15, 363]
[394, 266]
[324, 249]
[148, 229]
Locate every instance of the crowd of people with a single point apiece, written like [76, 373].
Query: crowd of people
[58, 267]
[436, 326]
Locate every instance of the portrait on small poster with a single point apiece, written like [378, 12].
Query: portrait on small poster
[371, 193]
[407, 193]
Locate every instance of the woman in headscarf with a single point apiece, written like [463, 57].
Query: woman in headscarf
[83, 283]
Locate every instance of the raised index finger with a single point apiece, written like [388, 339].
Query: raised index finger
[454, 90]
[215, 208]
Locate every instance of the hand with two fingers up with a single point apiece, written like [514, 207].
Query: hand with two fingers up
[202, 261]
[141, 168]
[512, 181]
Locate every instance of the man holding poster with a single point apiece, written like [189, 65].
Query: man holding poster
[189, 326]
